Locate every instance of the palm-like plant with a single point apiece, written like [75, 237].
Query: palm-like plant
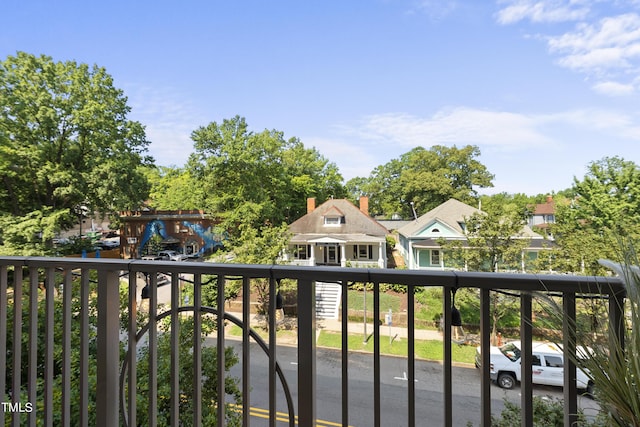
[612, 366]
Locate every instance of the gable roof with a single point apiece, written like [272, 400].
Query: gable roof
[548, 208]
[451, 213]
[356, 221]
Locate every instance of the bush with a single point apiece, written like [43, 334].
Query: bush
[547, 412]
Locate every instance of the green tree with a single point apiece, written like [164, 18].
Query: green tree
[262, 245]
[174, 189]
[65, 140]
[495, 239]
[261, 174]
[496, 236]
[425, 178]
[604, 204]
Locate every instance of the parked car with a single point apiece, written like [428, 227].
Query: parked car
[107, 244]
[171, 256]
[547, 365]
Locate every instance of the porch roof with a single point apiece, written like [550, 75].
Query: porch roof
[430, 243]
[336, 238]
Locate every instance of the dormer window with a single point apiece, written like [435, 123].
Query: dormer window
[333, 220]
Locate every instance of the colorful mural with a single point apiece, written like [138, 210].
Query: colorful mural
[153, 228]
[212, 238]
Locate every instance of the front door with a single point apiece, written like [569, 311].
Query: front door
[332, 254]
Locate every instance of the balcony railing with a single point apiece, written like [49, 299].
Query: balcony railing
[38, 385]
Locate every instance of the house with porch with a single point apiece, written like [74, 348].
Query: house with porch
[418, 241]
[337, 233]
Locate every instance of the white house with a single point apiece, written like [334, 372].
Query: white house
[337, 233]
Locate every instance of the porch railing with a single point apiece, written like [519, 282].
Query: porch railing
[48, 304]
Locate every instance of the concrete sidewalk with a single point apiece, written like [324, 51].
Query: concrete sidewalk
[356, 328]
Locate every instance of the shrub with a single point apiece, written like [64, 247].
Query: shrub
[547, 412]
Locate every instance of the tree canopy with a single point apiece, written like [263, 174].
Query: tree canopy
[425, 178]
[262, 177]
[495, 236]
[602, 206]
[65, 141]
[174, 188]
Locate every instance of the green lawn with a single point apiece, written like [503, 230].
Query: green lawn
[428, 303]
[430, 350]
[387, 301]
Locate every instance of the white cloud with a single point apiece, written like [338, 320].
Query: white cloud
[539, 11]
[607, 49]
[455, 126]
[614, 42]
[613, 122]
[611, 88]
[352, 159]
[515, 146]
[435, 9]
[169, 121]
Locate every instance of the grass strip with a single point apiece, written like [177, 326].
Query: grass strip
[425, 349]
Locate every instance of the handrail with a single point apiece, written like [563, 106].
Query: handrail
[111, 409]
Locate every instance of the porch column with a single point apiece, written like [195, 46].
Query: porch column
[343, 255]
[312, 255]
[381, 255]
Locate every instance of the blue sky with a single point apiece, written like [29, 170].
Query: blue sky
[543, 87]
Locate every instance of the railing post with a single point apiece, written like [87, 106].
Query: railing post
[447, 389]
[108, 354]
[485, 342]
[526, 347]
[569, 347]
[616, 320]
[306, 353]
[3, 330]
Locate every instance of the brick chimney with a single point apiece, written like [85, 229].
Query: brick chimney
[311, 204]
[364, 204]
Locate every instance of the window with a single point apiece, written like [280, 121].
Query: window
[510, 351]
[302, 251]
[362, 251]
[435, 257]
[535, 360]
[553, 361]
[333, 220]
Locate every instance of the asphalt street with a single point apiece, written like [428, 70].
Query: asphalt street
[429, 396]
[429, 386]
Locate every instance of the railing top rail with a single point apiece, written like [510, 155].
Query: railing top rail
[459, 279]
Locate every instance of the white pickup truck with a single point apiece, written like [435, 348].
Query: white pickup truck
[547, 365]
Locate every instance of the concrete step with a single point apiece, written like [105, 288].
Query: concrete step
[328, 297]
